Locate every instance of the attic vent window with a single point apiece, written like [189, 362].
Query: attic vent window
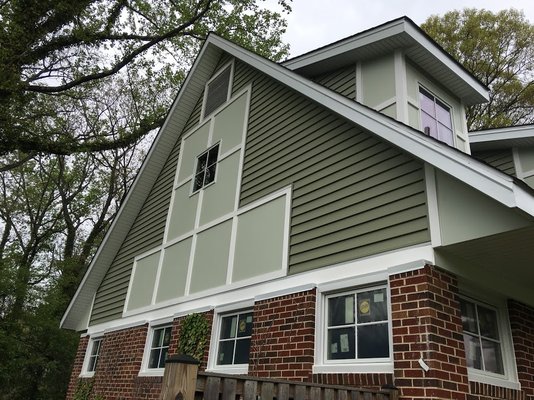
[217, 91]
[206, 168]
[435, 117]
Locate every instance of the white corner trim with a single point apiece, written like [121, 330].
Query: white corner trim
[433, 207]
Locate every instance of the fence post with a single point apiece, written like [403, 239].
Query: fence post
[179, 378]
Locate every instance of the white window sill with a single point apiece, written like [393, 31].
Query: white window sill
[87, 374]
[152, 372]
[375, 368]
[476, 376]
[230, 369]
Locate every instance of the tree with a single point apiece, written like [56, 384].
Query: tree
[498, 48]
[53, 51]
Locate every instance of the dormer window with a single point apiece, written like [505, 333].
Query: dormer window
[206, 168]
[435, 117]
[217, 91]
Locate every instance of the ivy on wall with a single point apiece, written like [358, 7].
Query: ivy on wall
[194, 331]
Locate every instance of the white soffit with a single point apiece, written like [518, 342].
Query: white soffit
[400, 33]
[513, 136]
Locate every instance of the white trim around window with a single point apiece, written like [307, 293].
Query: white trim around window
[493, 307]
[231, 337]
[156, 348]
[92, 355]
[348, 315]
[229, 66]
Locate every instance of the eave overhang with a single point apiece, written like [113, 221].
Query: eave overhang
[502, 138]
[402, 34]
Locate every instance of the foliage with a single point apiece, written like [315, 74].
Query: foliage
[57, 56]
[84, 389]
[498, 48]
[194, 331]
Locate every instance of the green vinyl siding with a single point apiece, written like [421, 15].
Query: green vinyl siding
[501, 159]
[342, 81]
[353, 195]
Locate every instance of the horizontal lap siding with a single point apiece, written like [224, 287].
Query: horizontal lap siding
[500, 159]
[353, 195]
[342, 81]
[145, 234]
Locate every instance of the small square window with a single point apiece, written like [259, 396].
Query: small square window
[94, 355]
[482, 339]
[233, 345]
[357, 325]
[435, 117]
[159, 346]
[206, 168]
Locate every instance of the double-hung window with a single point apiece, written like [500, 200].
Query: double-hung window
[159, 347]
[357, 326]
[482, 339]
[436, 118]
[233, 346]
[94, 355]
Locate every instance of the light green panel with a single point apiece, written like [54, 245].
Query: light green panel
[193, 145]
[530, 181]
[259, 244]
[174, 271]
[526, 158]
[143, 282]
[183, 212]
[211, 257]
[229, 124]
[219, 198]
[390, 111]
[413, 116]
[378, 81]
[466, 214]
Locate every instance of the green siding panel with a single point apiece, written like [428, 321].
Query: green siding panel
[342, 81]
[501, 159]
[353, 194]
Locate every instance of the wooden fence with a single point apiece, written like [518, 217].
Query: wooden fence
[182, 381]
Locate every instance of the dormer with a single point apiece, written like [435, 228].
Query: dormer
[397, 69]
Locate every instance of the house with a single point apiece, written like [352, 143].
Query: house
[330, 219]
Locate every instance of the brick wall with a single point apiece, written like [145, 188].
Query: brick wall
[427, 323]
[522, 325]
[77, 367]
[283, 337]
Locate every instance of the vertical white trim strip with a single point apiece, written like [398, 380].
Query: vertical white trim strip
[401, 87]
[359, 85]
[433, 208]
[158, 276]
[231, 253]
[517, 163]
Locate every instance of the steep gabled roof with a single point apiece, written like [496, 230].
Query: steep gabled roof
[486, 179]
[401, 33]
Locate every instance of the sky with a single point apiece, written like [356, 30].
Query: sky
[314, 23]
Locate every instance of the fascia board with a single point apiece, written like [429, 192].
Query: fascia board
[462, 166]
[127, 212]
[382, 32]
[437, 52]
[502, 134]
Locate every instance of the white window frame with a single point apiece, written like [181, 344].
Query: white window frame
[219, 314]
[436, 99]
[368, 365]
[509, 378]
[88, 352]
[204, 186]
[230, 65]
[155, 325]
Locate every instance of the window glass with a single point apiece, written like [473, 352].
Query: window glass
[234, 339]
[161, 338]
[435, 117]
[95, 354]
[206, 168]
[358, 325]
[482, 339]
